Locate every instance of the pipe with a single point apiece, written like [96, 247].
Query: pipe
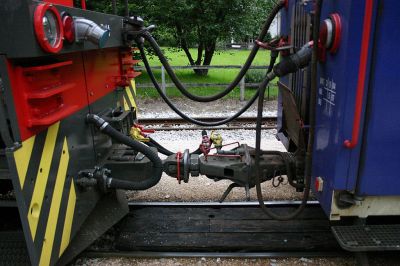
[114, 7]
[83, 4]
[157, 170]
[161, 149]
[126, 8]
[313, 95]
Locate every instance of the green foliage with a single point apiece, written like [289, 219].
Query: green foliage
[227, 57]
[194, 23]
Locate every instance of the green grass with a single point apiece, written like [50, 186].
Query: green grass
[226, 57]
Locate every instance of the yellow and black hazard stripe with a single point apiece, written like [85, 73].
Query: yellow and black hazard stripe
[47, 194]
[129, 96]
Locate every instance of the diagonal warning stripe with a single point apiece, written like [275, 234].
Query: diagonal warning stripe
[130, 97]
[126, 106]
[66, 235]
[133, 84]
[41, 178]
[23, 157]
[55, 207]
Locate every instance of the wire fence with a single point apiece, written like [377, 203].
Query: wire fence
[242, 84]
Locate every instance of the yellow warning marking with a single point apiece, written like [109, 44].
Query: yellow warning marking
[133, 84]
[41, 178]
[126, 106]
[130, 96]
[22, 158]
[68, 219]
[55, 207]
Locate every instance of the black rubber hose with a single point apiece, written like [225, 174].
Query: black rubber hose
[160, 148]
[257, 166]
[157, 168]
[176, 110]
[238, 78]
[313, 93]
[165, 151]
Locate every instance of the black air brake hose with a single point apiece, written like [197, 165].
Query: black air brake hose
[176, 110]
[310, 145]
[257, 166]
[161, 149]
[238, 78]
[157, 168]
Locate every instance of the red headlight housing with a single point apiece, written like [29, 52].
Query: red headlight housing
[69, 28]
[330, 33]
[48, 27]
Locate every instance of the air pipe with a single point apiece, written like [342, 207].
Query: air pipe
[157, 168]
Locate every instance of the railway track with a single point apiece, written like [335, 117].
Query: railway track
[224, 230]
[166, 124]
[232, 255]
[205, 229]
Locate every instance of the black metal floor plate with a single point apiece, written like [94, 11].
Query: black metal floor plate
[223, 229]
[362, 238]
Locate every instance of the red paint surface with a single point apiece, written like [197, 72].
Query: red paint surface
[45, 94]
[350, 144]
[61, 2]
[69, 28]
[83, 4]
[102, 69]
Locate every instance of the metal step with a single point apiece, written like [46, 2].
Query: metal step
[8, 203]
[4, 174]
[13, 249]
[361, 238]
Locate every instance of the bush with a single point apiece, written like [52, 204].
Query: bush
[255, 76]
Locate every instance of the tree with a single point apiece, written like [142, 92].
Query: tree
[201, 23]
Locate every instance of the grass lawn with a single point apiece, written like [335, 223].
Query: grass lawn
[225, 57]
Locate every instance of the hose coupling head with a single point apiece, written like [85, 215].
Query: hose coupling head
[294, 62]
[96, 177]
[97, 121]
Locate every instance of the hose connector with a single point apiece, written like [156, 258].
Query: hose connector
[86, 29]
[294, 62]
[97, 121]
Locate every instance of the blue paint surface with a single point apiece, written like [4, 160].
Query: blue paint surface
[371, 167]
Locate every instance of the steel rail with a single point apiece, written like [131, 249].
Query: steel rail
[177, 120]
[211, 128]
[240, 255]
[279, 203]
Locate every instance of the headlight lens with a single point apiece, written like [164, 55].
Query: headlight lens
[47, 22]
[51, 28]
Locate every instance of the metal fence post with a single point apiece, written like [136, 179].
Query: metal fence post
[163, 85]
[242, 89]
